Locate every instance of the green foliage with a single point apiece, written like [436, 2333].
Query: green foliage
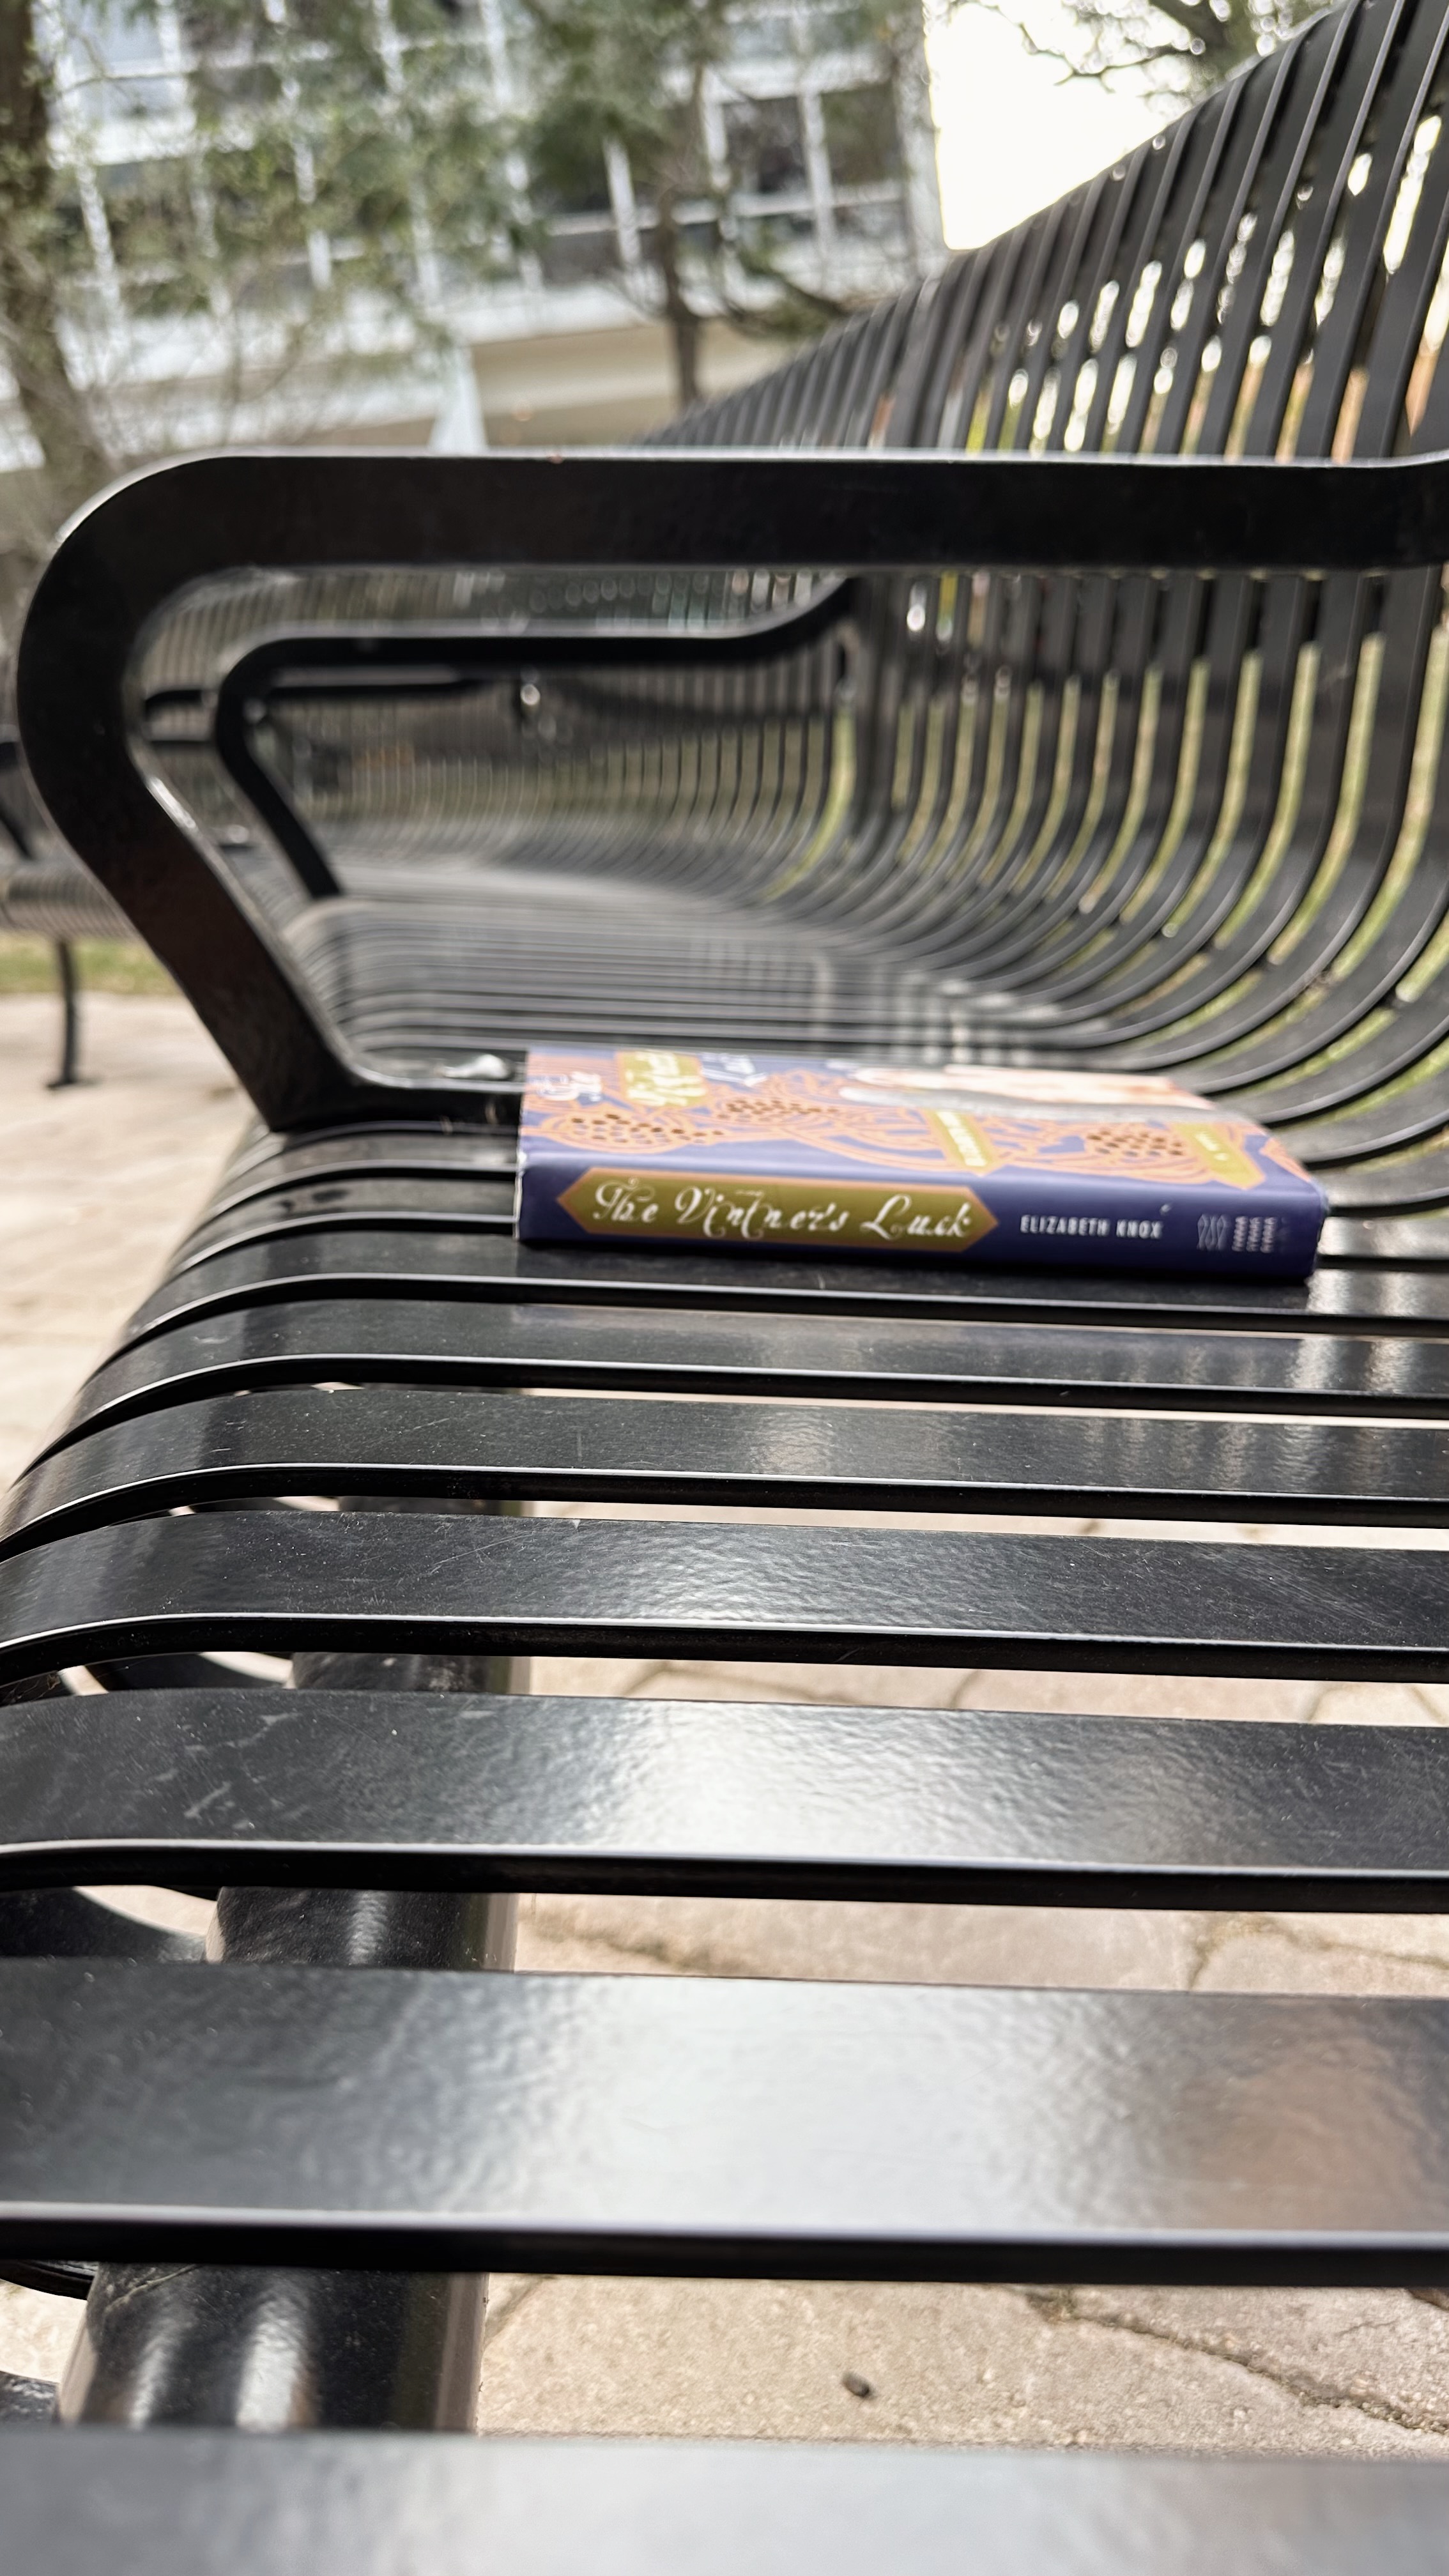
[632, 75]
[341, 168]
[339, 156]
[27, 965]
[39, 240]
[629, 72]
[567, 169]
[339, 152]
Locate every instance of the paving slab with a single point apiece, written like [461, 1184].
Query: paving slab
[1365, 2375]
[97, 1183]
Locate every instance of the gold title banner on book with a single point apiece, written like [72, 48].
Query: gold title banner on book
[707, 1207]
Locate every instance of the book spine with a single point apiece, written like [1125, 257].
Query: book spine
[1018, 1220]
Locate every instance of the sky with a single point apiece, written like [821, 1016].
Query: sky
[1013, 135]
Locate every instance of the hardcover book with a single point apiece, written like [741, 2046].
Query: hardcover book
[986, 1164]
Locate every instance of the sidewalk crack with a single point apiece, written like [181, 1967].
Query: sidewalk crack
[1220, 1928]
[1062, 2305]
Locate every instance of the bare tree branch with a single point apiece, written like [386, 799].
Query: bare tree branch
[1129, 38]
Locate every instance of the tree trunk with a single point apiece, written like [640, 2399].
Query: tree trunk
[680, 317]
[55, 407]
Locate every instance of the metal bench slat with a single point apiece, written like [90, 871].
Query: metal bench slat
[357, 1262]
[719, 2126]
[699, 1798]
[418, 1582]
[185, 2503]
[579, 1448]
[266, 1160]
[304, 1207]
[662, 1351]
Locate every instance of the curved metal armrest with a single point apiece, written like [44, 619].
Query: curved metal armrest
[165, 531]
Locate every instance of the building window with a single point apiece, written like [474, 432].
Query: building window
[862, 137]
[768, 37]
[119, 62]
[569, 173]
[151, 219]
[766, 147]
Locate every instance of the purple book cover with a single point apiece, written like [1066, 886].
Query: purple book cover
[980, 1163]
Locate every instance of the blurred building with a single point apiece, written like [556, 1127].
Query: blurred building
[818, 143]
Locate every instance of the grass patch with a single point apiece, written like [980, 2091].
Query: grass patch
[103, 965]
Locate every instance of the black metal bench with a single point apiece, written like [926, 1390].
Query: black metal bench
[715, 742]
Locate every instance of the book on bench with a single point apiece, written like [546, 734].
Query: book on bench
[981, 1163]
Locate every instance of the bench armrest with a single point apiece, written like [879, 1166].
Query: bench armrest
[165, 531]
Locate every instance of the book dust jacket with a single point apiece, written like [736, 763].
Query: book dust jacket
[988, 1164]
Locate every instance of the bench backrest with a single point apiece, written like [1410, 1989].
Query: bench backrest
[1196, 816]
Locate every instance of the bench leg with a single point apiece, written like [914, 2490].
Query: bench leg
[70, 1072]
[267, 2348]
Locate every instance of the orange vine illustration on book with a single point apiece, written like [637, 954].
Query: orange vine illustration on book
[901, 1136]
